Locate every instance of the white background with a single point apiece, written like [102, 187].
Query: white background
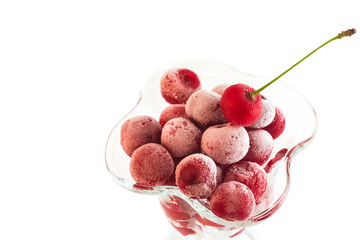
[69, 70]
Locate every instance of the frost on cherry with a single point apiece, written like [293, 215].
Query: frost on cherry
[208, 142]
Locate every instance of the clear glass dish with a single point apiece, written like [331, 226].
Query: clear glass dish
[193, 218]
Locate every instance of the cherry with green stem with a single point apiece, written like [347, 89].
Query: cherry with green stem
[242, 105]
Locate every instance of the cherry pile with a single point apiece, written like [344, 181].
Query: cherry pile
[211, 144]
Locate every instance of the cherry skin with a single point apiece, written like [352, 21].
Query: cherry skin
[267, 115]
[261, 146]
[177, 85]
[172, 111]
[277, 126]
[151, 165]
[233, 201]
[239, 107]
[196, 176]
[251, 174]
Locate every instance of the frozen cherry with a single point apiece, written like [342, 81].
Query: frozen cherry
[225, 143]
[172, 111]
[181, 137]
[249, 173]
[177, 85]
[196, 176]
[267, 115]
[261, 146]
[204, 109]
[232, 201]
[219, 175]
[138, 131]
[151, 165]
[219, 89]
[277, 126]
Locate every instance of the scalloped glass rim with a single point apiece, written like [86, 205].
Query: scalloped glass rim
[301, 126]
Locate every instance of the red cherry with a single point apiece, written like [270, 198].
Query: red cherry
[239, 107]
[277, 126]
[171, 112]
[196, 176]
[178, 84]
[233, 201]
[251, 174]
[261, 146]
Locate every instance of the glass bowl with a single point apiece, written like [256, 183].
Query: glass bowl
[190, 217]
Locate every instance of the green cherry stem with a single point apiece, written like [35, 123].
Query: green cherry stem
[346, 33]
